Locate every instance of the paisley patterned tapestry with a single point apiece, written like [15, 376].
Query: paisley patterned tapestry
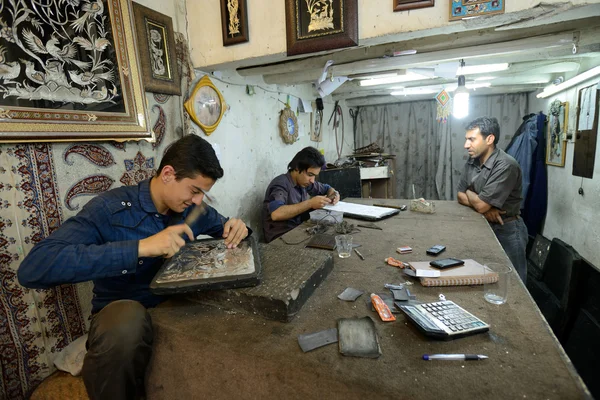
[41, 185]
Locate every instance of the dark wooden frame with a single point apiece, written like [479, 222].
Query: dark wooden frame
[404, 5]
[170, 83]
[242, 37]
[347, 38]
[584, 151]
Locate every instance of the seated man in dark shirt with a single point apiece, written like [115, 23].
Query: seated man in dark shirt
[119, 240]
[491, 185]
[287, 201]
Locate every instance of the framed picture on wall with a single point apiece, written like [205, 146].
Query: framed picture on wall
[317, 25]
[69, 71]
[234, 21]
[556, 143]
[156, 42]
[460, 9]
[404, 5]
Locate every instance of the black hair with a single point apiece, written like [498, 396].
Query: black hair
[189, 156]
[308, 157]
[487, 126]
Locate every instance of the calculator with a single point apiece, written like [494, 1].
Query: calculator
[443, 319]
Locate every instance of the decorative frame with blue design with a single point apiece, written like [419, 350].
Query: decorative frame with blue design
[460, 9]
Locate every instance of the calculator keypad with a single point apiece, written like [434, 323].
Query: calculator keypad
[445, 317]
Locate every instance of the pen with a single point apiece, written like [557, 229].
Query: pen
[467, 357]
[358, 254]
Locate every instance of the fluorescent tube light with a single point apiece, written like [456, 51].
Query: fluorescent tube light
[550, 90]
[481, 69]
[470, 86]
[409, 76]
[414, 91]
[484, 78]
[377, 75]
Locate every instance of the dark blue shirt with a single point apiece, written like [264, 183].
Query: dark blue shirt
[283, 191]
[100, 243]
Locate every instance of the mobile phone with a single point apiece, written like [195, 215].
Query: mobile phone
[435, 250]
[446, 263]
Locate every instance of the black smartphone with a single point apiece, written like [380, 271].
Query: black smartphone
[446, 263]
[435, 250]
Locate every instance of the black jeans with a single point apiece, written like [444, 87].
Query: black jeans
[119, 349]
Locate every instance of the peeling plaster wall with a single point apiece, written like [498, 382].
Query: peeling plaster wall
[252, 151]
[267, 28]
[571, 217]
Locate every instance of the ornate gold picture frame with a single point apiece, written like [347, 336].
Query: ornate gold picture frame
[206, 105]
[69, 72]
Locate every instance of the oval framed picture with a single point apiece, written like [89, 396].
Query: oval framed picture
[206, 105]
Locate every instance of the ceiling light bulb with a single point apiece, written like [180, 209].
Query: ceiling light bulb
[460, 107]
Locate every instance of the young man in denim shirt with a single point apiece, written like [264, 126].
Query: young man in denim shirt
[119, 240]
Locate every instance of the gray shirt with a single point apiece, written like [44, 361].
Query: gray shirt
[497, 182]
[283, 191]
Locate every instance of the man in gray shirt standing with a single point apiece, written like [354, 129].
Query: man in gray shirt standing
[287, 203]
[491, 185]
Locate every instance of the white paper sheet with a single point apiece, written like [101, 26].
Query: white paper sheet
[362, 210]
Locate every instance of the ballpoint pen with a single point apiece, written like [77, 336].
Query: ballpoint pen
[358, 254]
[454, 357]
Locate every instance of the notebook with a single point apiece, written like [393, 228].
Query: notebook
[471, 273]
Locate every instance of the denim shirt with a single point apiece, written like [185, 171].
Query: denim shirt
[522, 148]
[100, 244]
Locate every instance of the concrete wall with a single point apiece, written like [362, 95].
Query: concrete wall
[267, 29]
[252, 151]
[571, 217]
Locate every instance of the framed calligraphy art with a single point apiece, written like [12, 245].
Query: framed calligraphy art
[234, 21]
[156, 45]
[317, 25]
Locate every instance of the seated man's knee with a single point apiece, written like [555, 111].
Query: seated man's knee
[122, 326]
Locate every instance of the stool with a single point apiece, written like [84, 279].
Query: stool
[61, 385]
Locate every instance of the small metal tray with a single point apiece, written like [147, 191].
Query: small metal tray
[209, 265]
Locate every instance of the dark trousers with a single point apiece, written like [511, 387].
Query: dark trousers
[119, 349]
[513, 238]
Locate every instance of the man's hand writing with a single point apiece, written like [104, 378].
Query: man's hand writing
[234, 232]
[165, 243]
[494, 215]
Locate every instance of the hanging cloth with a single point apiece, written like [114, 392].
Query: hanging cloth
[536, 202]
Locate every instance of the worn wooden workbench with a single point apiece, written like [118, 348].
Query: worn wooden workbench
[212, 352]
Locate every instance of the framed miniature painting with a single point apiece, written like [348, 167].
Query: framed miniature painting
[156, 44]
[69, 71]
[318, 25]
[234, 22]
[460, 9]
[556, 142]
